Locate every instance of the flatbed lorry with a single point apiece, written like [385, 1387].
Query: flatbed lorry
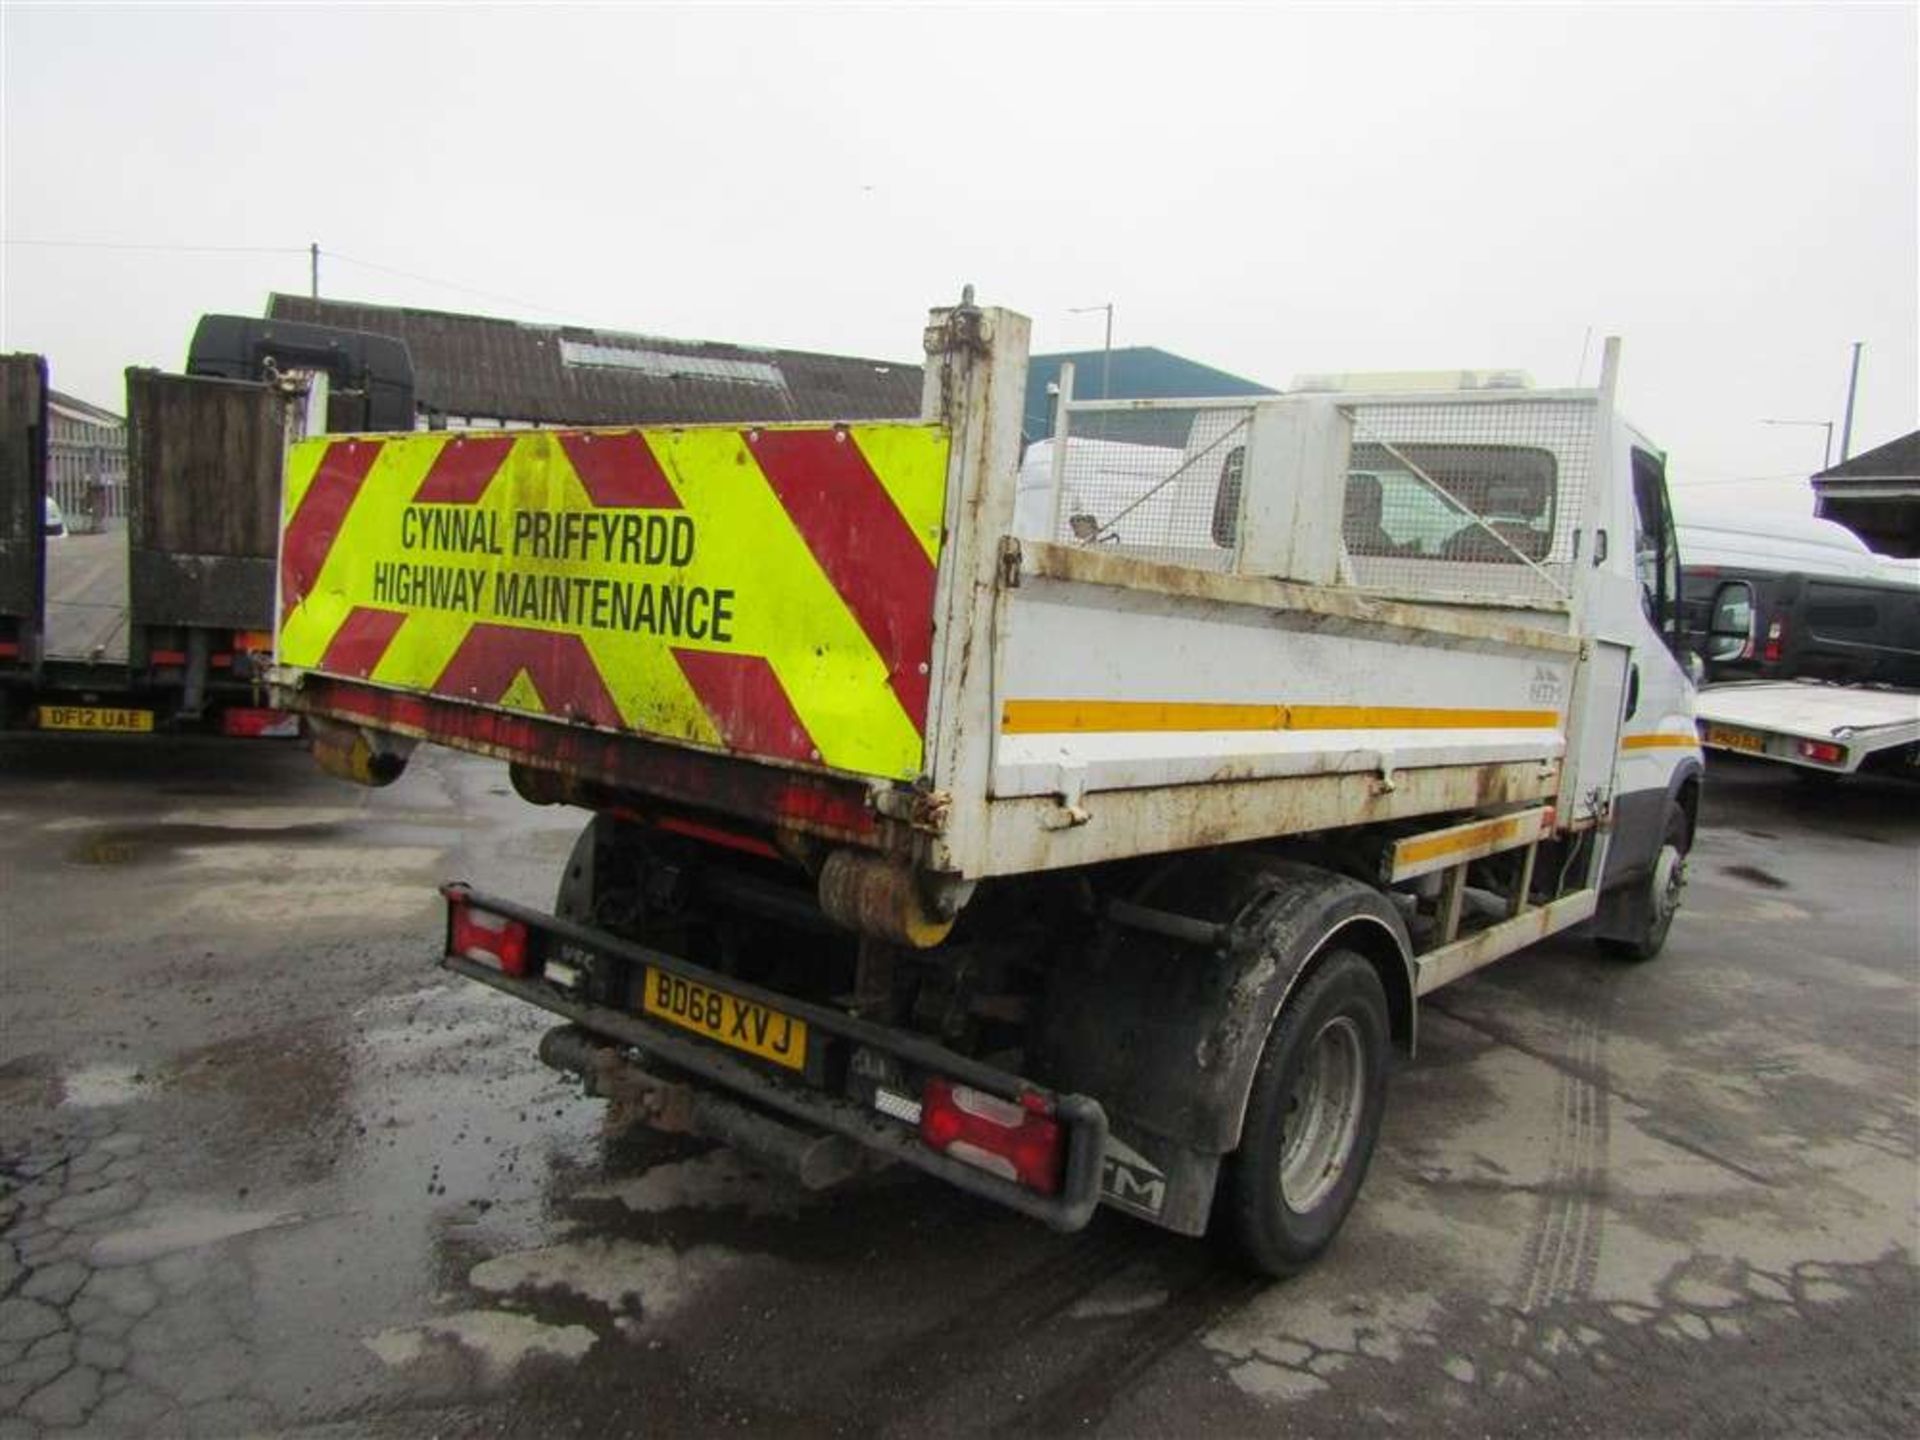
[1098, 865]
[1812, 652]
[165, 624]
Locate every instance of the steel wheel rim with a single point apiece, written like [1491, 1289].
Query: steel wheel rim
[1321, 1124]
[1669, 879]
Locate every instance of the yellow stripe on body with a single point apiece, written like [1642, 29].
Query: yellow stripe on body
[1413, 852]
[1660, 741]
[1049, 717]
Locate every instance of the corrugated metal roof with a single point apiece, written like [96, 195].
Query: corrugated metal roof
[476, 366]
[1897, 459]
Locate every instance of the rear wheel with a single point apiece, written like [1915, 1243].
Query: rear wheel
[1665, 884]
[1313, 1117]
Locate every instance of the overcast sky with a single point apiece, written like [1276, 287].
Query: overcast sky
[1270, 190]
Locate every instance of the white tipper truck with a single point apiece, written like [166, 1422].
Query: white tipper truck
[1094, 859]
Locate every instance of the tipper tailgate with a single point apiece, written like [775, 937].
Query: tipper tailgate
[765, 591]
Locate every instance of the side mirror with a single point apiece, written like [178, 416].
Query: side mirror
[1730, 630]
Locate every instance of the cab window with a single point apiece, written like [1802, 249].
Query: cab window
[1656, 558]
[1488, 503]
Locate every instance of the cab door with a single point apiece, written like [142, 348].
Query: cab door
[1659, 751]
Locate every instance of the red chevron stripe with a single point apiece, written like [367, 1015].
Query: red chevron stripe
[463, 469]
[560, 666]
[747, 704]
[360, 641]
[309, 534]
[619, 471]
[864, 545]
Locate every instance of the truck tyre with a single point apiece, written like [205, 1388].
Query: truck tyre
[1313, 1116]
[1665, 882]
[575, 900]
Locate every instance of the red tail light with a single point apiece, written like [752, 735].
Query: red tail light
[1823, 751]
[490, 939]
[1017, 1142]
[1776, 642]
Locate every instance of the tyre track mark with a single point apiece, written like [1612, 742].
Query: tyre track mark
[1562, 1252]
[1206, 1288]
[935, 1359]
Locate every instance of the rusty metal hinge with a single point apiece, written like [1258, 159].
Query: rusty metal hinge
[1010, 562]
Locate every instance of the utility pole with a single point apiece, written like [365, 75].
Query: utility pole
[313, 253]
[1106, 354]
[1846, 425]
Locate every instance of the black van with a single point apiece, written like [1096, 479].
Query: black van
[1766, 625]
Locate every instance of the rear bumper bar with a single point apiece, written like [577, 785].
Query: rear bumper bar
[1083, 1119]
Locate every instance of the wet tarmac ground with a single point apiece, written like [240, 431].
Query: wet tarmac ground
[87, 596]
[264, 1170]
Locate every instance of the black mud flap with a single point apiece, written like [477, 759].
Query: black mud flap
[1169, 1028]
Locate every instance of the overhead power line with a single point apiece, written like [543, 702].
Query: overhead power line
[326, 254]
[157, 245]
[178, 248]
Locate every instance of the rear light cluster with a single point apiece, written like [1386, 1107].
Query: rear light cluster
[1019, 1141]
[1823, 752]
[487, 938]
[1776, 642]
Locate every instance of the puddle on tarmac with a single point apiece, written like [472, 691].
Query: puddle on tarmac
[133, 844]
[1754, 875]
[171, 1231]
[457, 1130]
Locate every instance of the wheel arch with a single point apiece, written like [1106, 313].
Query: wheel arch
[1168, 1035]
[1640, 824]
[1381, 948]
[1689, 778]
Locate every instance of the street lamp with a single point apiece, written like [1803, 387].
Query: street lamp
[1826, 455]
[1106, 355]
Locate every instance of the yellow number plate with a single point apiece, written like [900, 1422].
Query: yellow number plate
[1727, 738]
[744, 1025]
[94, 717]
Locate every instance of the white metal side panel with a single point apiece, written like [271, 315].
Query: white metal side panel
[1102, 687]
